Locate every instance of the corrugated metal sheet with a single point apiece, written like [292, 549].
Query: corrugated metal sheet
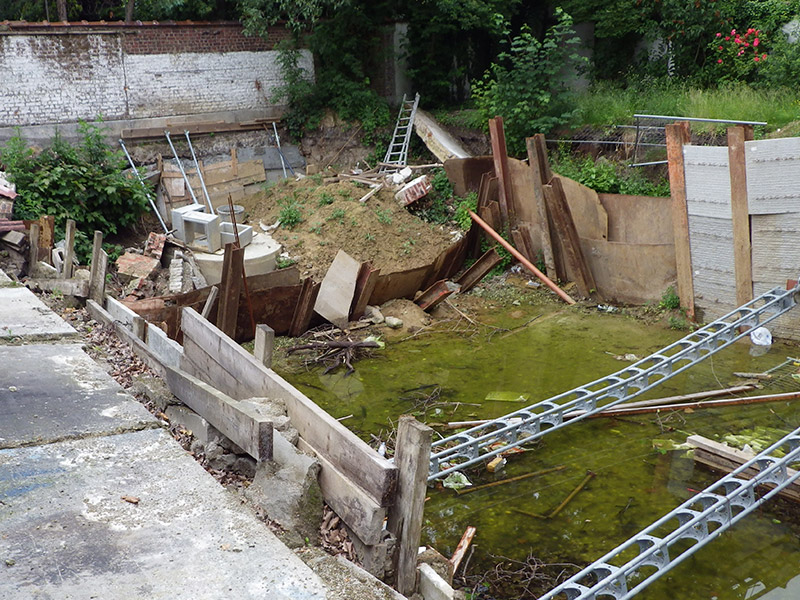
[708, 187]
[773, 176]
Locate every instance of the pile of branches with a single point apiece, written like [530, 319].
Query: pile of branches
[334, 353]
[523, 579]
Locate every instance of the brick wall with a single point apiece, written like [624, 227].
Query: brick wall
[59, 74]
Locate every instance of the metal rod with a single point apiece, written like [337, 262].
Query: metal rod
[180, 166]
[475, 488]
[648, 164]
[284, 162]
[144, 185]
[526, 263]
[617, 142]
[199, 173]
[673, 118]
[244, 275]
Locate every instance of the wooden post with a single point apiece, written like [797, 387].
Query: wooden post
[541, 208]
[230, 289]
[678, 134]
[139, 327]
[412, 458]
[69, 249]
[47, 227]
[264, 345]
[212, 297]
[97, 270]
[565, 227]
[742, 259]
[33, 253]
[504, 190]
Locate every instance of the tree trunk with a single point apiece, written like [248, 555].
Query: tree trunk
[62, 9]
[129, 11]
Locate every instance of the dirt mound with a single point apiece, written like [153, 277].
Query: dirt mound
[330, 217]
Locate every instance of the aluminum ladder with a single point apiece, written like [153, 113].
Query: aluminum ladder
[703, 517]
[479, 443]
[397, 153]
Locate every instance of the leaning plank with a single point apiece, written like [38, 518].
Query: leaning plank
[504, 189]
[545, 240]
[243, 426]
[365, 285]
[305, 307]
[479, 270]
[353, 505]
[230, 289]
[740, 215]
[726, 459]
[346, 451]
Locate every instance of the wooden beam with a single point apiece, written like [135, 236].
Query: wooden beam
[243, 426]
[565, 227]
[678, 135]
[305, 307]
[350, 454]
[726, 459]
[365, 285]
[545, 238]
[209, 304]
[47, 226]
[230, 289]
[743, 262]
[504, 189]
[33, 250]
[412, 457]
[69, 250]
[97, 270]
[356, 508]
[264, 344]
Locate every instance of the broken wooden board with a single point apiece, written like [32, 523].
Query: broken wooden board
[240, 424]
[337, 289]
[726, 459]
[365, 285]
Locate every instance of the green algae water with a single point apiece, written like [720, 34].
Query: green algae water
[546, 350]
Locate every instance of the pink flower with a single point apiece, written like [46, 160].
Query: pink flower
[719, 61]
[733, 32]
[755, 42]
[756, 59]
[764, 56]
[719, 34]
[727, 38]
[720, 48]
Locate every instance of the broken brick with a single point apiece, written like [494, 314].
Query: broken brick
[135, 266]
[155, 245]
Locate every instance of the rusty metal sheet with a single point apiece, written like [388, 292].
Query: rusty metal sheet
[436, 294]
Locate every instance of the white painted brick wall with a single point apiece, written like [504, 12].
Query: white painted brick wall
[56, 79]
[174, 84]
[63, 78]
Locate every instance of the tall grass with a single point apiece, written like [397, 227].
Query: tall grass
[605, 105]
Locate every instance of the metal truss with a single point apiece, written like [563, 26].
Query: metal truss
[523, 426]
[682, 532]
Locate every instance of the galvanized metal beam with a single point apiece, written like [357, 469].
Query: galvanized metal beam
[529, 424]
[662, 546]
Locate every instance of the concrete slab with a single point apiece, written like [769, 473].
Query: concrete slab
[50, 392]
[23, 315]
[66, 531]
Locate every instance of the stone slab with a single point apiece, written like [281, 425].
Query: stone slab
[51, 392]
[23, 315]
[66, 531]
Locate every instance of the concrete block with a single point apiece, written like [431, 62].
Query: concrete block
[432, 586]
[227, 237]
[168, 351]
[132, 266]
[200, 224]
[154, 389]
[119, 311]
[185, 417]
[176, 276]
[178, 215]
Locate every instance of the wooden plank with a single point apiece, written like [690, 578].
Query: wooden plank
[264, 344]
[47, 226]
[98, 268]
[678, 135]
[740, 214]
[305, 308]
[365, 285]
[230, 289]
[562, 217]
[479, 270]
[351, 455]
[68, 287]
[354, 506]
[522, 244]
[33, 250]
[545, 240]
[200, 363]
[726, 459]
[500, 158]
[541, 153]
[242, 425]
[412, 457]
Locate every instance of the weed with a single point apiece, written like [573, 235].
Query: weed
[344, 194]
[353, 222]
[669, 300]
[678, 323]
[291, 215]
[469, 203]
[369, 237]
[283, 263]
[408, 245]
[316, 178]
[325, 199]
[316, 229]
[338, 215]
[384, 216]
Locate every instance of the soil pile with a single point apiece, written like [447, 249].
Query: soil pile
[319, 219]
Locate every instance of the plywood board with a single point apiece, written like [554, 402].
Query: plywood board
[638, 219]
[589, 215]
[773, 175]
[337, 289]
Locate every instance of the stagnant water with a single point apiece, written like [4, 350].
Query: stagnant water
[637, 480]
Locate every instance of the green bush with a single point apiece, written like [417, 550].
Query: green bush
[607, 177]
[85, 183]
[290, 214]
[526, 84]
[469, 203]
